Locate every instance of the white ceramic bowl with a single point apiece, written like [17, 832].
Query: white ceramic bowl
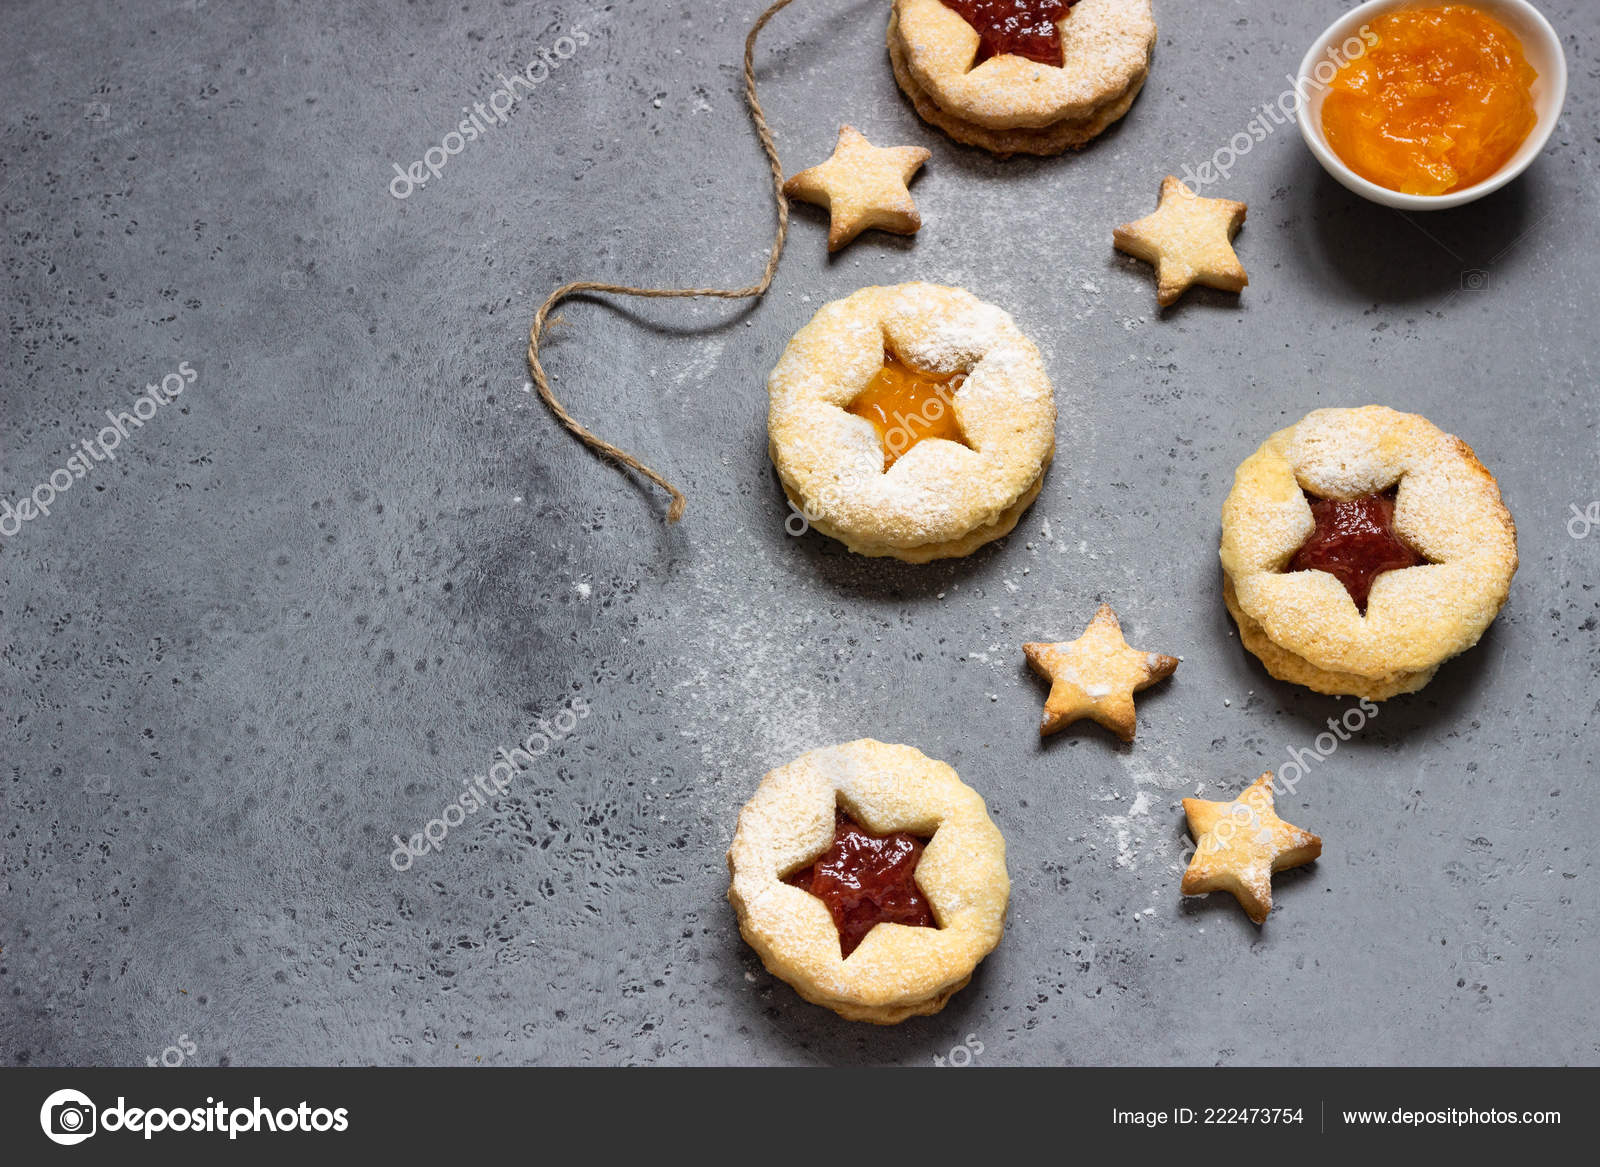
[1540, 45]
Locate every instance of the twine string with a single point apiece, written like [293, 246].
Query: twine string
[588, 437]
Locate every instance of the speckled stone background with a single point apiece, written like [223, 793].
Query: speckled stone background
[314, 594]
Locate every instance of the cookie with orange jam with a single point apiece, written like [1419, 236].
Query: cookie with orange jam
[870, 878]
[1021, 76]
[912, 421]
[1363, 548]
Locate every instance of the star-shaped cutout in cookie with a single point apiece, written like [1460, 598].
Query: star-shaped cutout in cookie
[862, 186]
[1189, 239]
[1096, 676]
[1239, 844]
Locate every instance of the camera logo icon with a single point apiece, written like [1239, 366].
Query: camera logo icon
[68, 1117]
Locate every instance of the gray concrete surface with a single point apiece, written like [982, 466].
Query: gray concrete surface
[315, 592]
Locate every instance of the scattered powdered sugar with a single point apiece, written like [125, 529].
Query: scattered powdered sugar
[1125, 856]
[700, 366]
[1167, 775]
[1133, 831]
[750, 699]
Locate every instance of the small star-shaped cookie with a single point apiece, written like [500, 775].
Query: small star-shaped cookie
[1239, 844]
[1096, 676]
[1188, 238]
[862, 186]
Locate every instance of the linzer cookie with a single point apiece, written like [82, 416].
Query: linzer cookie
[1361, 549]
[1021, 76]
[912, 421]
[870, 878]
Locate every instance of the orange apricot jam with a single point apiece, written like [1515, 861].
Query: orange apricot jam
[906, 405]
[1441, 100]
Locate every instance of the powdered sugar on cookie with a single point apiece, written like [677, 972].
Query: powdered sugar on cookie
[1303, 624]
[939, 498]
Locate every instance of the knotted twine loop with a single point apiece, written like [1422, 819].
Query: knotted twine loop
[596, 443]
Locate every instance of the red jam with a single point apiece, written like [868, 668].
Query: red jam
[1354, 541]
[865, 880]
[1026, 28]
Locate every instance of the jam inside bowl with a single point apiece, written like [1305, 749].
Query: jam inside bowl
[1351, 37]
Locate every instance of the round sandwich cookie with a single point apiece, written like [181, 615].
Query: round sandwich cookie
[870, 878]
[913, 421]
[1361, 549]
[1021, 76]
